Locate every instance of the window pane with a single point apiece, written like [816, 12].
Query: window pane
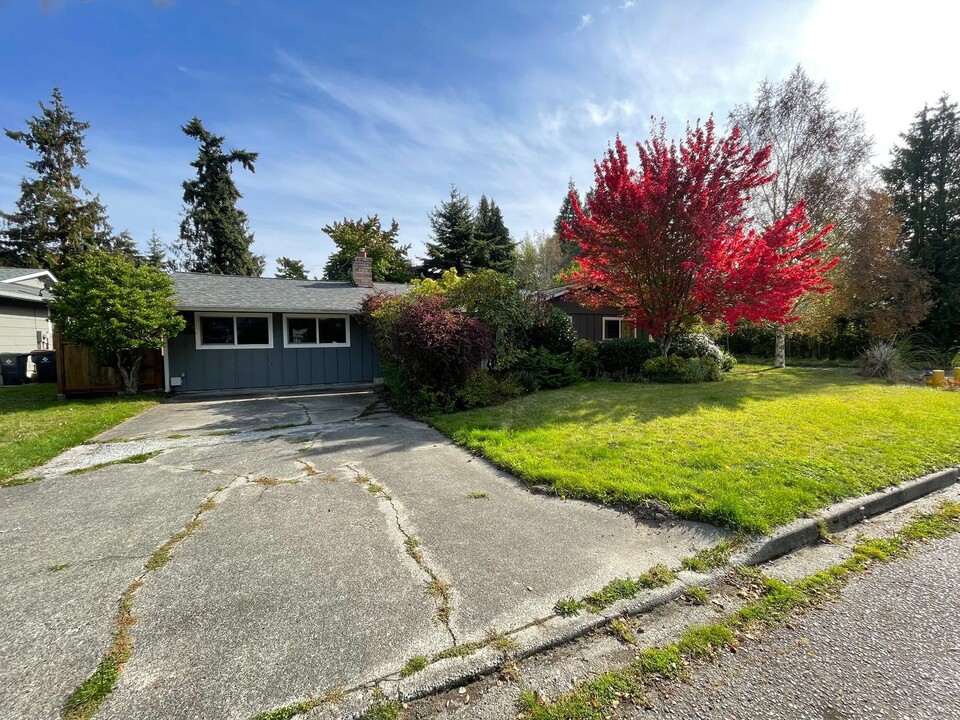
[333, 330]
[301, 330]
[253, 331]
[611, 329]
[625, 330]
[216, 331]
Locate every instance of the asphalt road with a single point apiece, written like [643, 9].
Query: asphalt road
[888, 648]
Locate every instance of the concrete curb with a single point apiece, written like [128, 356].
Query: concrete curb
[449, 674]
[839, 517]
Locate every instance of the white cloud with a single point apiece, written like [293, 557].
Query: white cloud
[627, 4]
[585, 20]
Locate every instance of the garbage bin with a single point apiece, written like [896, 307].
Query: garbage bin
[13, 368]
[46, 362]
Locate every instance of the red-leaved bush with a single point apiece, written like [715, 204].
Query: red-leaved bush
[427, 351]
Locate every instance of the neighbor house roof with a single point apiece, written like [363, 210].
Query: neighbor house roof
[13, 284]
[198, 291]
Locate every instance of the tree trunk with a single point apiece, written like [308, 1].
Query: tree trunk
[129, 366]
[780, 352]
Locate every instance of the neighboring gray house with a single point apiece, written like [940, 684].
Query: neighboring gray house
[249, 332]
[24, 319]
[605, 323]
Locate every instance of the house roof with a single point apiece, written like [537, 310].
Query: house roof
[12, 274]
[230, 293]
[23, 292]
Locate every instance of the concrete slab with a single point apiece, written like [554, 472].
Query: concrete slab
[509, 554]
[285, 591]
[102, 525]
[229, 415]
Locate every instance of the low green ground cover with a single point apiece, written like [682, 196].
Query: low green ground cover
[35, 426]
[755, 451]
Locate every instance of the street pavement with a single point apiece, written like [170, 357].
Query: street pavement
[888, 649]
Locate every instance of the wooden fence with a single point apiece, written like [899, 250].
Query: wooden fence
[78, 373]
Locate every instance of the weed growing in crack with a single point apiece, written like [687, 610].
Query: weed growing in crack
[414, 665]
[711, 558]
[696, 595]
[374, 488]
[620, 629]
[289, 711]
[501, 642]
[384, 711]
[568, 607]
[271, 482]
[308, 468]
[14, 482]
[477, 496]
[412, 546]
[511, 672]
[131, 460]
[58, 567]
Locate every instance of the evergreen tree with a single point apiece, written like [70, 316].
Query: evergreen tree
[389, 260]
[214, 233]
[56, 216]
[566, 215]
[290, 269]
[494, 247]
[454, 239]
[156, 252]
[923, 180]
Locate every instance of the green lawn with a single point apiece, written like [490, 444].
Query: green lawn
[35, 426]
[757, 450]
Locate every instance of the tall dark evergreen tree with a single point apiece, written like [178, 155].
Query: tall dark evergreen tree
[214, 233]
[56, 216]
[923, 180]
[389, 260]
[495, 248]
[454, 239]
[566, 215]
[290, 269]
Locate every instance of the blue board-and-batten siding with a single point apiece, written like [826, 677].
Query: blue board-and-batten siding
[236, 368]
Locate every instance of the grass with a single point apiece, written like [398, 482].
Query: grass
[137, 459]
[776, 602]
[755, 451]
[35, 426]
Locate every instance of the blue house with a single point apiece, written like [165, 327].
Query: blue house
[250, 332]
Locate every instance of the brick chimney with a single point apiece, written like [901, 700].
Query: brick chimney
[363, 270]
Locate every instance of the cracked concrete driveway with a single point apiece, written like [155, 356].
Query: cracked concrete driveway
[333, 541]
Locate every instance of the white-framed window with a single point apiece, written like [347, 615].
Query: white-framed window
[312, 331]
[615, 328]
[228, 331]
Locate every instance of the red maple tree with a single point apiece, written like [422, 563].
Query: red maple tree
[671, 241]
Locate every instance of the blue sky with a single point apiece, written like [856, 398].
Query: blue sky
[377, 107]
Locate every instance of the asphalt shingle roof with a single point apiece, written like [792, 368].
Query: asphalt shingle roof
[197, 291]
[23, 292]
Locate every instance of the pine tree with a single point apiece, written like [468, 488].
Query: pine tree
[214, 233]
[290, 269]
[389, 260]
[454, 240]
[56, 217]
[923, 180]
[156, 252]
[494, 247]
[566, 215]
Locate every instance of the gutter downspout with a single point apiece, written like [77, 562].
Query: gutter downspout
[166, 365]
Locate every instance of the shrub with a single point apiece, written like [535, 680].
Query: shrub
[729, 362]
[549, 327]
[697, 345]
[677, 369]
[484, 388]
[586, 357]
[427, 351]
[540, 369]
[883, 359]
[624, 359]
